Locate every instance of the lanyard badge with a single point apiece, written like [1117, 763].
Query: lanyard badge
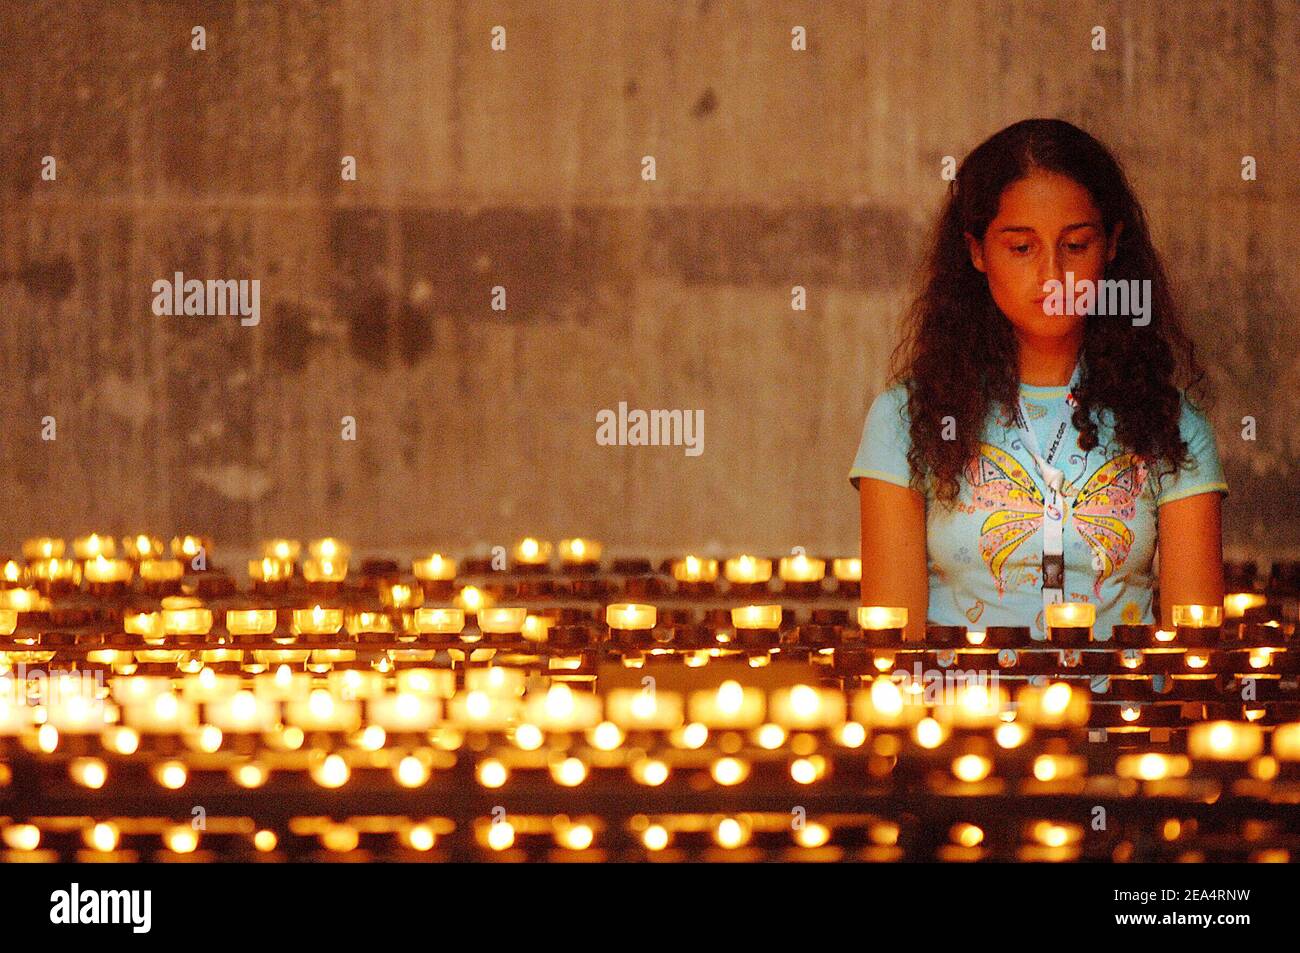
[1054, 503]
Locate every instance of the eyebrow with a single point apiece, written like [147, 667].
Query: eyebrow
[1068, 228]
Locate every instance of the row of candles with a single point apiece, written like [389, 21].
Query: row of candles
[207, 704]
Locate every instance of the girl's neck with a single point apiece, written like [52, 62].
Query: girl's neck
[1048, 362]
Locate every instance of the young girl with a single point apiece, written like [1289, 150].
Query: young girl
[1027, 456]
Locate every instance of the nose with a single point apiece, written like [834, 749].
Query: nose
[1050, 266]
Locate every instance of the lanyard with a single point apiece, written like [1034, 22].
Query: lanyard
[1054, 502]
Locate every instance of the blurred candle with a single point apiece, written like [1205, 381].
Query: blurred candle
[630, 616]
[756, 617]
[189, 620]
[580, 552]
[1071, 615]
[537, 628]
[694, 569]
[560, 708]
[53, 570]
[1286, 742]
[8, 621]
[250, 621]
[89, 547]
[429, 621]
[161, 570]
[1056, 705]
[281, 550]
[400, 595]
[847, 570]
[748, 569]
[103, 570]
[1198, 617]
[502, 620]
[807, 707]
[187, 547]
[636, 709]
[1235, 604]
[402, 712]
[142, 547]
[882, 618]
[42, 547]
[269, 569]
[325, 570]
[800, 568]
[242, 712]
[471, 599]
[329, 549]
[22, 600]
[1225, 740]
[321, 711]
[317, 621]
[532, 552]
[146, 624]
[358, 623]
[434, 568]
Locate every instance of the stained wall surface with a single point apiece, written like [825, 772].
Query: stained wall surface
[522, 169]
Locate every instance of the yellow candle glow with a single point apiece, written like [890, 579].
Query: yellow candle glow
[8, 621]
[496, 680]
[325, 570]
[1198, 617]
[187, 621]
[756, 617]
[472, 599]
[54, 570]
[250, 621]
[1225, 740]
[23, 600]
[147, 624]
[161, 570]
[631, 708]
[429, 621]
[101, 569]
[694, 569]
[631, 616]
[748, 569]
[578, 552]
[1071, 615]
[1286, 742]
[881, 618]
[400, 595]
[560, 708]
[483, 712]
[359, 622]
[89, 547]
[1055, 705]
[807, 707]
[142, 546]
[502, 620]
[42, 547]
[187, 547]
[281, 550]
[847, 570]
[317, 621]
[403, 712]
[1235, 604]
[321, 711]
[532, 552]
[329, 549]
[435, 568]
[801, 568]
[269, 569]
[537, 628]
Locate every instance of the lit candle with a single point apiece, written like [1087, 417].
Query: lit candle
[885, 705]
[352, 683]
[8, 621]
[807, 707]
[149, 625]
[434, 568]
[1286, 742]
[325, 570]
[1071, 615]
[42, 547]
[161, 570]
[281, 550]
[164, 713]
[630, 616]
[799, 568]
[359, 623]
[242, 712]
[502, 620]
[321, 711]
[429, 621]
[142, 547]
[187, 620]
[23, 600]
[403, 712]
[748, 570]
[580, 552]
[92, 546]
[693, 569]
[472, 599]
[1224, 740]
[187, 547]
[1198, 617]
[282, 684]
[1235, 604]
[268, 569]
[496, 680]
[317, 621]
[1056, 705]
[400, 595]
[882, 618]
[103, 570]
[560, 708]
[532, 552]
[635, 709]
[477, 710]
[329, 550]
[756, 617]
[54, 570]
[847, 570]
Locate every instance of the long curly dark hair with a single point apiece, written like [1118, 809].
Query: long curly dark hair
[958, 354]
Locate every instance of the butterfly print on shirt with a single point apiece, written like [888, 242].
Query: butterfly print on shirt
[1098, 512]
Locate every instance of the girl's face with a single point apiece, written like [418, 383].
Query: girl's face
[1046, 225]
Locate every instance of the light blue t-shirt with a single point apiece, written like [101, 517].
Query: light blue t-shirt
[985, 553]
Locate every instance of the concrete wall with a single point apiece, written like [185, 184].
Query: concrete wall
[522, 168]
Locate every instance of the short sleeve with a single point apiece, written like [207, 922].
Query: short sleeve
[882, 452]
[1203, 472]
